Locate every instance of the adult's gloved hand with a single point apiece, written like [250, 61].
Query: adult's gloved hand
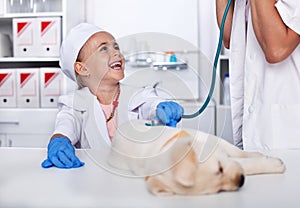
[61, 153]
[169, 113]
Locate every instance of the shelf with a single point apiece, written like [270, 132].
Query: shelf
[6, 110]
[40, 14]
[222, 56]
[222, 106]
[29, 59]
[28, 62]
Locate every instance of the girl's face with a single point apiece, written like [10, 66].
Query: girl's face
[102, 61]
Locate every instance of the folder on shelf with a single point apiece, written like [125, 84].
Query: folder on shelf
[49, 36]
[24, 37]
[51, 86]
[8, 97]
[28, 88]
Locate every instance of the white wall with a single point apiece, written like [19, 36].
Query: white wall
[177, 17]
[192, 20]
[208, 28]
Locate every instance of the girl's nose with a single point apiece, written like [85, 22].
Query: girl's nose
[116, 53]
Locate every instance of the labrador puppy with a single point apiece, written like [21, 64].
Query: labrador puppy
[184, 161]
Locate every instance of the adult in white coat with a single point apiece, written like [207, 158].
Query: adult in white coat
[89, 117]
[263, 37]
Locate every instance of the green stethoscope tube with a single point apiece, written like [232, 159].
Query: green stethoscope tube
[213, 80]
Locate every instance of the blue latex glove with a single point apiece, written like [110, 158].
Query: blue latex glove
[169, 113]
[61, 153]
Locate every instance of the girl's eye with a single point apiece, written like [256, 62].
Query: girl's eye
[117, 47]
[104, 48]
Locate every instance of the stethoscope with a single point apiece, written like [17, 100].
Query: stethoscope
[156, 122]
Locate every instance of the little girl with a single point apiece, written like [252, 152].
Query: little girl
[89, 117]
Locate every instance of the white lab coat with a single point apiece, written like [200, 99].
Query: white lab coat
[265, 98]
[82, 120]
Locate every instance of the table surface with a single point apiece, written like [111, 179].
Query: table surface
[23, 183]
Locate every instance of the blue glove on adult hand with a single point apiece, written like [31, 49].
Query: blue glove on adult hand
[61, 153]
[169, 113]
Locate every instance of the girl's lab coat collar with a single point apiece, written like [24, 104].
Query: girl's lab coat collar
[90, 117]
[87, 107]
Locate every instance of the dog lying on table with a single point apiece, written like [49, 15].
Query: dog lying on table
[185, 161]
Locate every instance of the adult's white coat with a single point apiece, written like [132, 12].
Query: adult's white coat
[265, 98]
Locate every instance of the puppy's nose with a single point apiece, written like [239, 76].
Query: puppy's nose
[242, 180]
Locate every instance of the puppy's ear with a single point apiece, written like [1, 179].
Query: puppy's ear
[184, 172]
[158, 188]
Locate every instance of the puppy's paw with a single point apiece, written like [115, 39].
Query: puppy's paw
[158, 188]
[276, 165]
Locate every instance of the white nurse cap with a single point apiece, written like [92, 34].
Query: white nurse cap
[72, 44]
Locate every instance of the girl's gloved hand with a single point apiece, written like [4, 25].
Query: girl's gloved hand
[169, 113]
[61, 153]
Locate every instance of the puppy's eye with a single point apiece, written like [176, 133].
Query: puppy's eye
[220, 168]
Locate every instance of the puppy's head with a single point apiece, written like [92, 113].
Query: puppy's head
[193, 177]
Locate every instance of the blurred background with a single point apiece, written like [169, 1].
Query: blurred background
[170, 44]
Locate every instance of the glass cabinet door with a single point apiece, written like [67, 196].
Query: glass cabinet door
[32, 6]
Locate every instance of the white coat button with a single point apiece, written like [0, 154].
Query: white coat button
[250, 109]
